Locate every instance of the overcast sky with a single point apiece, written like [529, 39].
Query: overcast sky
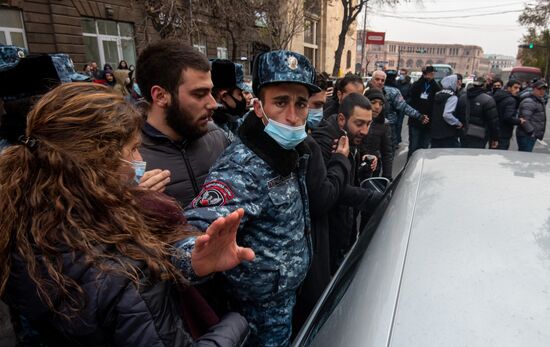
[436, 21]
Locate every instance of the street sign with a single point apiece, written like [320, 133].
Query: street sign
[375, 38]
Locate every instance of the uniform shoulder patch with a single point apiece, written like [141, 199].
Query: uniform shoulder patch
[213, 193]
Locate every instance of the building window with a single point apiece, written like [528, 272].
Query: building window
[221, 52]
[348, 60]
[109, 42]
[199, 43]
[311, 48]
[391, 63]
[11, 28]
[410, 63]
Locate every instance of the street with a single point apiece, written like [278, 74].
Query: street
[401, 154]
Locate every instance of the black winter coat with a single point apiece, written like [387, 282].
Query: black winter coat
[507, 107]
[331, 107]
[378, 142]
[342, 223]
[188, 161]
[424, 106]
[325, 184]
[483, 111]
[116, 312]
[533, 110]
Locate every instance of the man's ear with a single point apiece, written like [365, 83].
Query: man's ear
[341, 120]
[258, 108]
[160, 96]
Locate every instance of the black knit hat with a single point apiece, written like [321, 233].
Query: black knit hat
[223, 74]
[375, 93]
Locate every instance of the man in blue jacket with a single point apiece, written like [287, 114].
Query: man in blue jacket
[264, 172]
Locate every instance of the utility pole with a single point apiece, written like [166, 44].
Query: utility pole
[364, 38]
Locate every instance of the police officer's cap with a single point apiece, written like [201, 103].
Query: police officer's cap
[283, 67]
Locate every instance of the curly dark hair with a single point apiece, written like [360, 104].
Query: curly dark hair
[68, 193]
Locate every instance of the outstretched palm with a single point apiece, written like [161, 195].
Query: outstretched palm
[217, 249]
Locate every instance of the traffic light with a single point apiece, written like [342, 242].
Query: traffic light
[531, 45]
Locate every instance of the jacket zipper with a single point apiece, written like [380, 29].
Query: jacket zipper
[190, 171]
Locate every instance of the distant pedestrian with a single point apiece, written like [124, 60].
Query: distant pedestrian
[533, 111]
[447, 119]
[482, 125]
[507, 106]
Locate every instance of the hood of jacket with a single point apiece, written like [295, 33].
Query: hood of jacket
[449, 82]
[501, 95]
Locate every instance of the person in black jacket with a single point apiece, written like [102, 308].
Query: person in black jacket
[421, 97]
[483, 118]
[178, 135]
[378, 140]
[507, 107]
[532, 110]
[85, 254]
[354, 119]
[350, 83]
[449, 115]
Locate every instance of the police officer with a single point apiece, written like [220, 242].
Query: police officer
[264, 172]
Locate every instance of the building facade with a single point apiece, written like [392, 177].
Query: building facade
[107, 31]
[464, 59]
[499, 62]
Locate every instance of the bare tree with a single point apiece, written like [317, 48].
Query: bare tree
[352, 8]
[536, 15]
[232, 19]
[280, 21]
[170, 18]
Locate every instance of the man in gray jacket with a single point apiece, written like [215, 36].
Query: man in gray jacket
[533, 111]
[179, 135]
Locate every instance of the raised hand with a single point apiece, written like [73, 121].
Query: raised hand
[217, 249]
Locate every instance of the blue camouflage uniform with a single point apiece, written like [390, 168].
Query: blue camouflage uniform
[255, 173]
[275, 225]
[395, 104]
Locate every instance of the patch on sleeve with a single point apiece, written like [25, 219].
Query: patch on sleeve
[214, 193]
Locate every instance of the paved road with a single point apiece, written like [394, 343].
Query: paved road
[401, 153]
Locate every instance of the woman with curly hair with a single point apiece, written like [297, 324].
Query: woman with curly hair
[86, 256]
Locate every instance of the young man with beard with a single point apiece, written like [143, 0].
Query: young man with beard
[264, 172]
[507, 106]
[354, 119]
[179, 136]
[228, 95]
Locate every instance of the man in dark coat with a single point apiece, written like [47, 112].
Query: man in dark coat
[507, 107]
[349, 84]
[532, 109]
[421, 97]
[448, 118]
[178, 135]
[354, 119]
[483, 122]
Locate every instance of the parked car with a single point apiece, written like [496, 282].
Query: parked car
[457, 254]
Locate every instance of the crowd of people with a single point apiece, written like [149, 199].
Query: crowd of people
[216, 213]
[482, 116]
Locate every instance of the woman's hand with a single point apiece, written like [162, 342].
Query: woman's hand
[155, 180]
[217, 249]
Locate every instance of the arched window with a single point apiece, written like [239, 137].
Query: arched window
[348, 60]
[419, 63]
[410, 63]
[429, 62]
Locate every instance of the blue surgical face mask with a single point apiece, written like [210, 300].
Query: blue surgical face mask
[136, 89]
[139, 168]
[286, 136]
[314, 117]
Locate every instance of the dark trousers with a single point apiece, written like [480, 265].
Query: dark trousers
[419, 137]
[448, 142]
[526, 143]
[399, 126]
[394, 135]
[473, 142]
[504, 143]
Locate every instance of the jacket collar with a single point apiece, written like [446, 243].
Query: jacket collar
[280, 160]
